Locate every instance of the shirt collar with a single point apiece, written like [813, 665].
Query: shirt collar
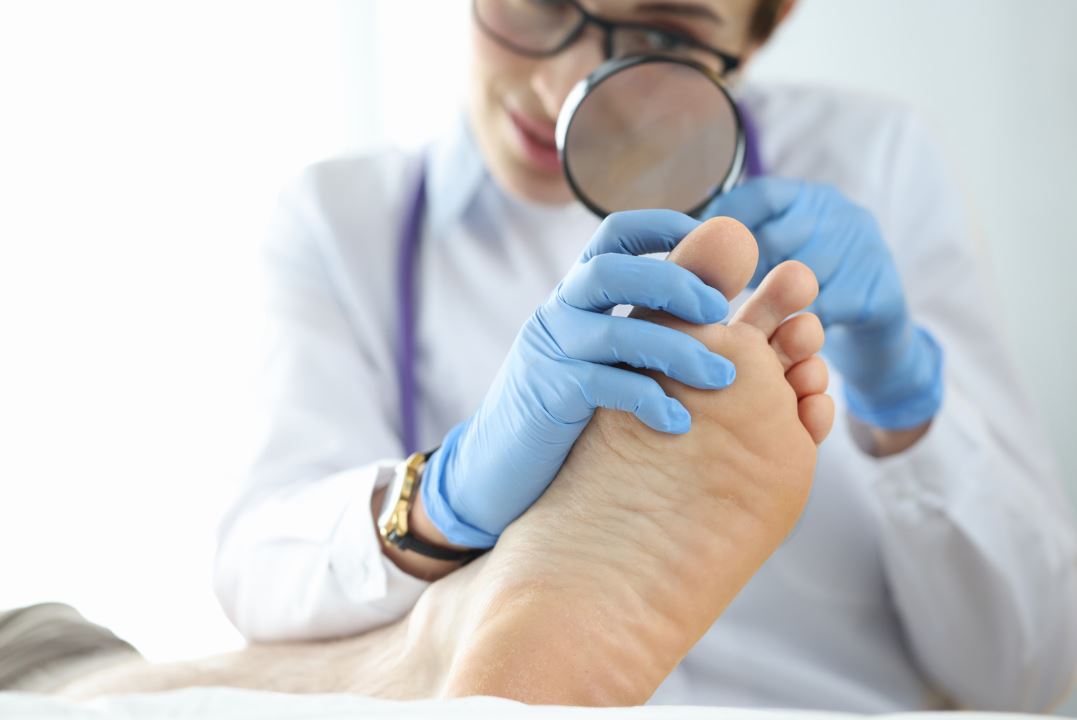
[455, 171]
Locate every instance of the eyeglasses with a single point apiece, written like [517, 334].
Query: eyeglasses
[543, 28]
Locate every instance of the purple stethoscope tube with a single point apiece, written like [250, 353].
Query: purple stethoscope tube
[410, 233]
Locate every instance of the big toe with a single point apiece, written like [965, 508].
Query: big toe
[721, 252]
[787, 289]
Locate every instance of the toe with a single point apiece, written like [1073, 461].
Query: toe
[787, 289]
[817, 415]
[808, 377]
[722, 252]
[798, 338]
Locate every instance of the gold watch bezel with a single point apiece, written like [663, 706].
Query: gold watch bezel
[393, 521]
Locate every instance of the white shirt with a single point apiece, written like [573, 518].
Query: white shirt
[944, 575]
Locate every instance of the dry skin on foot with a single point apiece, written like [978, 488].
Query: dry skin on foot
[595, 594]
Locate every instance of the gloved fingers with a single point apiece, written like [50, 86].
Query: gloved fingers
[783, 236]
[637, 232]
[845, 240]
[834, 307]
[619, 389]
[756, 201]
[826, 256]
[864, 291]
[595, 338]
[608, 280]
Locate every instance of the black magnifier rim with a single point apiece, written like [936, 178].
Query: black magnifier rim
[607, 70]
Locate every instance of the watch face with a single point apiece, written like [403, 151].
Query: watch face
[392, 497]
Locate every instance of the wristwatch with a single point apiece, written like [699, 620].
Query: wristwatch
[393, 520]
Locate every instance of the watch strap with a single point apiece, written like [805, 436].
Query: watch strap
[410, 542]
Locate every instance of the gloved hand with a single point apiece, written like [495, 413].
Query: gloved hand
[492, 467]
[892, 368]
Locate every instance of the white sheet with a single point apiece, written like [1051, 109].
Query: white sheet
[232, 704]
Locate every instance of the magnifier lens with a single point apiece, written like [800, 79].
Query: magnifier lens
[650, 133]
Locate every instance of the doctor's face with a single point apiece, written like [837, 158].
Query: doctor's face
[514, 99]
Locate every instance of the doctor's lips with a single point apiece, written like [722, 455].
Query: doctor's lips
[537, 140]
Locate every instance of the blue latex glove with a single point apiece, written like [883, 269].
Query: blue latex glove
[892, 368]
[492, 467]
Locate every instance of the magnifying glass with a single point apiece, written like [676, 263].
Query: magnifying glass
[650, 131]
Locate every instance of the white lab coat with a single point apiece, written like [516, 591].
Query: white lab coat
[944, 575]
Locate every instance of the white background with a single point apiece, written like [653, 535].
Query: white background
[141, 146]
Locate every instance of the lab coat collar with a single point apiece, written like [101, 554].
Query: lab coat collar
[455, 171]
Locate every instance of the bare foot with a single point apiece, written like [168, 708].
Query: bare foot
[597, 592]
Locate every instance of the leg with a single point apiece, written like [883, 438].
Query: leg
[405, 660]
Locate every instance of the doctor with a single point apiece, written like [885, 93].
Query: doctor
[441, 300]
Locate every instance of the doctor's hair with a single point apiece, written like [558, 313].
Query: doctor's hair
[765, 19]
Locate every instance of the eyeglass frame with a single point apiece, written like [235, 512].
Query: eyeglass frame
[729, 62]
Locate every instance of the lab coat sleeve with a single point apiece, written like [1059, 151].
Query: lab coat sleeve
[298, 556]
[977, 536]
